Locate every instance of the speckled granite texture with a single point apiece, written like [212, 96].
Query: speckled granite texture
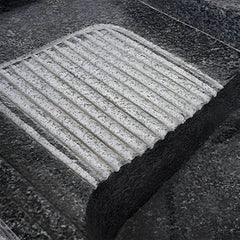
[227, 4]
[29, 26]
[217, 18]
[40, 187]
[26, 28]
[7, 5]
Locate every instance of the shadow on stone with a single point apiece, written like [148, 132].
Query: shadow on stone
[8, 5]
[118, 198]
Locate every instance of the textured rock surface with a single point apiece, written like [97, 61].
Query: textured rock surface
[33, 25]
[26, 203]
[217, 18]
[6, 233]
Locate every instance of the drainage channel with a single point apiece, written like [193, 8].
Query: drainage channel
[104, 94]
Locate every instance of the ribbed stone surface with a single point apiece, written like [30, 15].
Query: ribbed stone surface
[105, 94]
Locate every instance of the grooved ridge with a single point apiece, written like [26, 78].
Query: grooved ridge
[105, 94]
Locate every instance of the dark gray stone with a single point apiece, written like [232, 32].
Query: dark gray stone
[19, 221]
[52, 179]
[201, 200]
[217, 18]
[38, 209]
[30, 26]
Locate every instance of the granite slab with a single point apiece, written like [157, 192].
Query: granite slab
[31, 26]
